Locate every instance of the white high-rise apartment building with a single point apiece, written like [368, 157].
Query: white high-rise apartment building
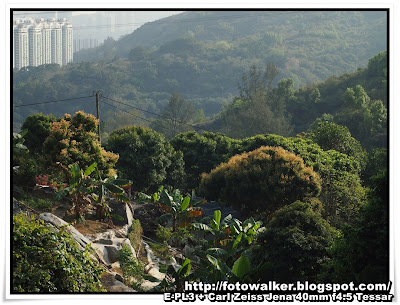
[56, 43]
[42, 42]
[67, 43]
[46, 43]
[21, 47]
[35, 46]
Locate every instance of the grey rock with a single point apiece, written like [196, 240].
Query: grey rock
[119, 277]
[104, 241]
[111, 284]
[112, 253]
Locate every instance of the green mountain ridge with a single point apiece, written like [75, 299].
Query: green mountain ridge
[307, 46]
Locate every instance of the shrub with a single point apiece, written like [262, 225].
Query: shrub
[135, 234]
[46, 260]
[329, 135]
[132, 268]
[146, 158]
[38, 128]
[202, 153]
[296, 241]
[75, 140]
[261, 181]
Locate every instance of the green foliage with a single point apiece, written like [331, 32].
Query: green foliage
[135, 234]
[377, 161]
[46, 260]
[365, 241]
[83, 188]
[342, 193]
[260, 108]
[261, 181]
[25, 168]
[74, 140]
[296, 241]
[177, 208]
[163, 233]
[176, 117]
[19, 149]
[132, 268]
[35, 203]
[227, 256]
[38, 128]
[146, 158]
[329, 135]
[366, 118]
[202, 153]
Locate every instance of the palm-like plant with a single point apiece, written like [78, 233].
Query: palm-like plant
[178, 208]
[85, 189]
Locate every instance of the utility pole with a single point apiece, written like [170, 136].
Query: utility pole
[98, 112]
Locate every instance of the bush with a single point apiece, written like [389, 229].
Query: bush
[296, 241]
[135, 234]
[202, 153]
[75, 140]
[45, 260]
[261, 181]
[366, 241]
[132, 269]
[329, 135]
[146, 158]
[38, 128]
[342, 193]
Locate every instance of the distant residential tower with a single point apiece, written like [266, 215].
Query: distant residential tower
[38, 42]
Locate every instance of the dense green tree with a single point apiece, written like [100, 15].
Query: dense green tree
[259, 108]
[377, 161]
[202, 153]
[365, 118]
[296, 241]
[361, 252]
[146, 158]
[175, 117]
[261, 181]
[38, 128]
[329, 135]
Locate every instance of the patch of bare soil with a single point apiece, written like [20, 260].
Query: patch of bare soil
[92, 227]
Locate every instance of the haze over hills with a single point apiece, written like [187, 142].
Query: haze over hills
[203, 56]
[307, 46]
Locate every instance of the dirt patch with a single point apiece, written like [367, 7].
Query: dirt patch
[92, 227]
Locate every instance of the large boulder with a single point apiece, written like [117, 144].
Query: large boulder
[111, 284]
[147, 214]
[123, 210]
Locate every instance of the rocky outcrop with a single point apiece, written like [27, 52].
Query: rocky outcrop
[147, 214]
[112, 284]
[124, 210]
[105, 245]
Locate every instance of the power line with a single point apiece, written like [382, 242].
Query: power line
[63, 100]
[153, 113]
[135, 115]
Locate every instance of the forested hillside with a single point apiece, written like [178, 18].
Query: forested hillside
[307, 46]
[228, 147]
[203, 56]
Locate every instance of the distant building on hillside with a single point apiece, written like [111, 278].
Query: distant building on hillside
[87, 43]
[38, 42]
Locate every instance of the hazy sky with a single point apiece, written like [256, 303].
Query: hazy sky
[100, 24]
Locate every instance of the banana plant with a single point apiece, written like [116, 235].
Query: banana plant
[177, 276]
[114, 186]
[227, 257]
[229, 229]
[178, 208]
[85, 189]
